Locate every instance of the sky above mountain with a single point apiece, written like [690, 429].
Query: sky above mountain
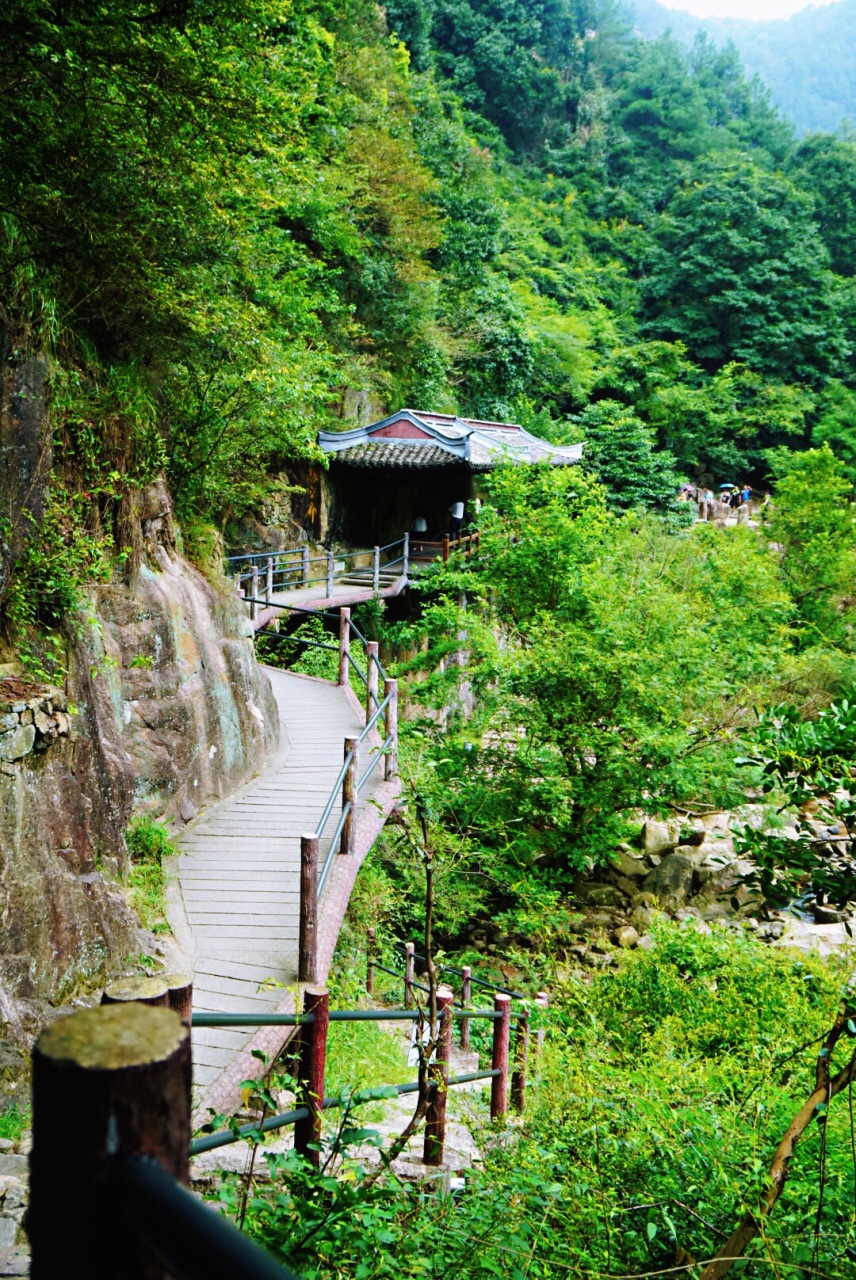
[754, 10]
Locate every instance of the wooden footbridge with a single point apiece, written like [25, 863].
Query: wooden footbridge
[264, 877]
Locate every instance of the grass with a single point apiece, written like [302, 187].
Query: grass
[148, 844]
[361, 1055]
[13, 1122]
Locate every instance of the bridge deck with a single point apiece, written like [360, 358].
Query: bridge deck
[239, 866]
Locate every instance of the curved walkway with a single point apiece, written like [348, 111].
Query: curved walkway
[237, 913]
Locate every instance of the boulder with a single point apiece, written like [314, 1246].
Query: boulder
[628, 864]
[672, 880]
[627, 937]
[658, 837]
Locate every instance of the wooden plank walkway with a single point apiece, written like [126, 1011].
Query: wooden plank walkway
[239, 865]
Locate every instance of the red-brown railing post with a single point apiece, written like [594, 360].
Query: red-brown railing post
[390, 766]
[376, 569]
[372, 703]
[370, 961]
[348, 842]
[466, 996]
[521, 1059]
[344, 643]
[405, 570]
[499, 1061]
[445, 548]
[108, 1082]
[409, 949]
[310, 1073]
[307, 961]
[435, 1116]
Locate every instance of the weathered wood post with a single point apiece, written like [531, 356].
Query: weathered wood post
[521, 1059]
[466, 997]
[304, 566]
[344, 644]
[237, 580]
[445, 548]
[179, 990]
[254, 581]
[499, 1060]
[331, 570]
[371, 939]
[405, 568]
[310, 1073]
[375, 569]
[390, 767]
[269, 579]
[142, 989]
[542, 1003]
[435, 1116]
[108, 1082]
[307, 962]
[349, 796]
[372, 703]
[409, 949]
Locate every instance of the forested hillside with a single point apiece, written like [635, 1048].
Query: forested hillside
[806, 60]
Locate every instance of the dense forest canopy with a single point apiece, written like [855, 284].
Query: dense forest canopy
[806, 60]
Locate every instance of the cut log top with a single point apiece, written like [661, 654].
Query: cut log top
[149, 990]
[112, 1037]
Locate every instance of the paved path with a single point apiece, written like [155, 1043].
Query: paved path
[239, 863]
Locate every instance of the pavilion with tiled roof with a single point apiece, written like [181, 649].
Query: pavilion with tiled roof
[383, 476]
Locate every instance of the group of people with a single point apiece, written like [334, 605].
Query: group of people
[731, 498]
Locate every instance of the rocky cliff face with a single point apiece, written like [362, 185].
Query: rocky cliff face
[164, 707]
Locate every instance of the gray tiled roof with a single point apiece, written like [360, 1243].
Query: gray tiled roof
[396, 453]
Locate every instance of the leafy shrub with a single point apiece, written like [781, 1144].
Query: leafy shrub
[148, 843]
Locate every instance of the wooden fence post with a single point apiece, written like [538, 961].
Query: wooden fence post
[521, 1059]
[372, 703]
[347, 844]
[409, 949]
[390, 768]
[310, 1073]
[139, 990]
[307, 962]
[180, 994]
[375, 569]
[445, 548]
[108, 1082]
[370, 960]
[254, 578]
[304, 566]
[435, 1116]
[542, 1002]
[344, 643]
[466, 997]
[406, 564]
[499, 1061]
[331, 569]
[269, 579]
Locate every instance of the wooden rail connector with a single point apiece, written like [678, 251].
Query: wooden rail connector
[499, 1060]
[108, 1082]
[313, 1056]
[344, 644]
[390, 768]
[348, 842]
[371, 942]
[435, 1117]
[521, 1059]
[372, 702]
[307, 960]
[409, 949]
[466, 997]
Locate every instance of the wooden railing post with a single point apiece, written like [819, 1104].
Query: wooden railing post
[499, 1061]
[310, 1074]
[344, 644]
[371, 939]
[390, 767]
[331, 569]
[237, 580]
[466, 997]
[372, 703]
[254, 579]
[307, 953]
[521, 1059]
[376, 569]
[304, 566]
[348, 841]
[445, 548]
[435, 1116]
[269, 579]
[405, 568]
[409, 949]
[542, 1002]
[108, 1082]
